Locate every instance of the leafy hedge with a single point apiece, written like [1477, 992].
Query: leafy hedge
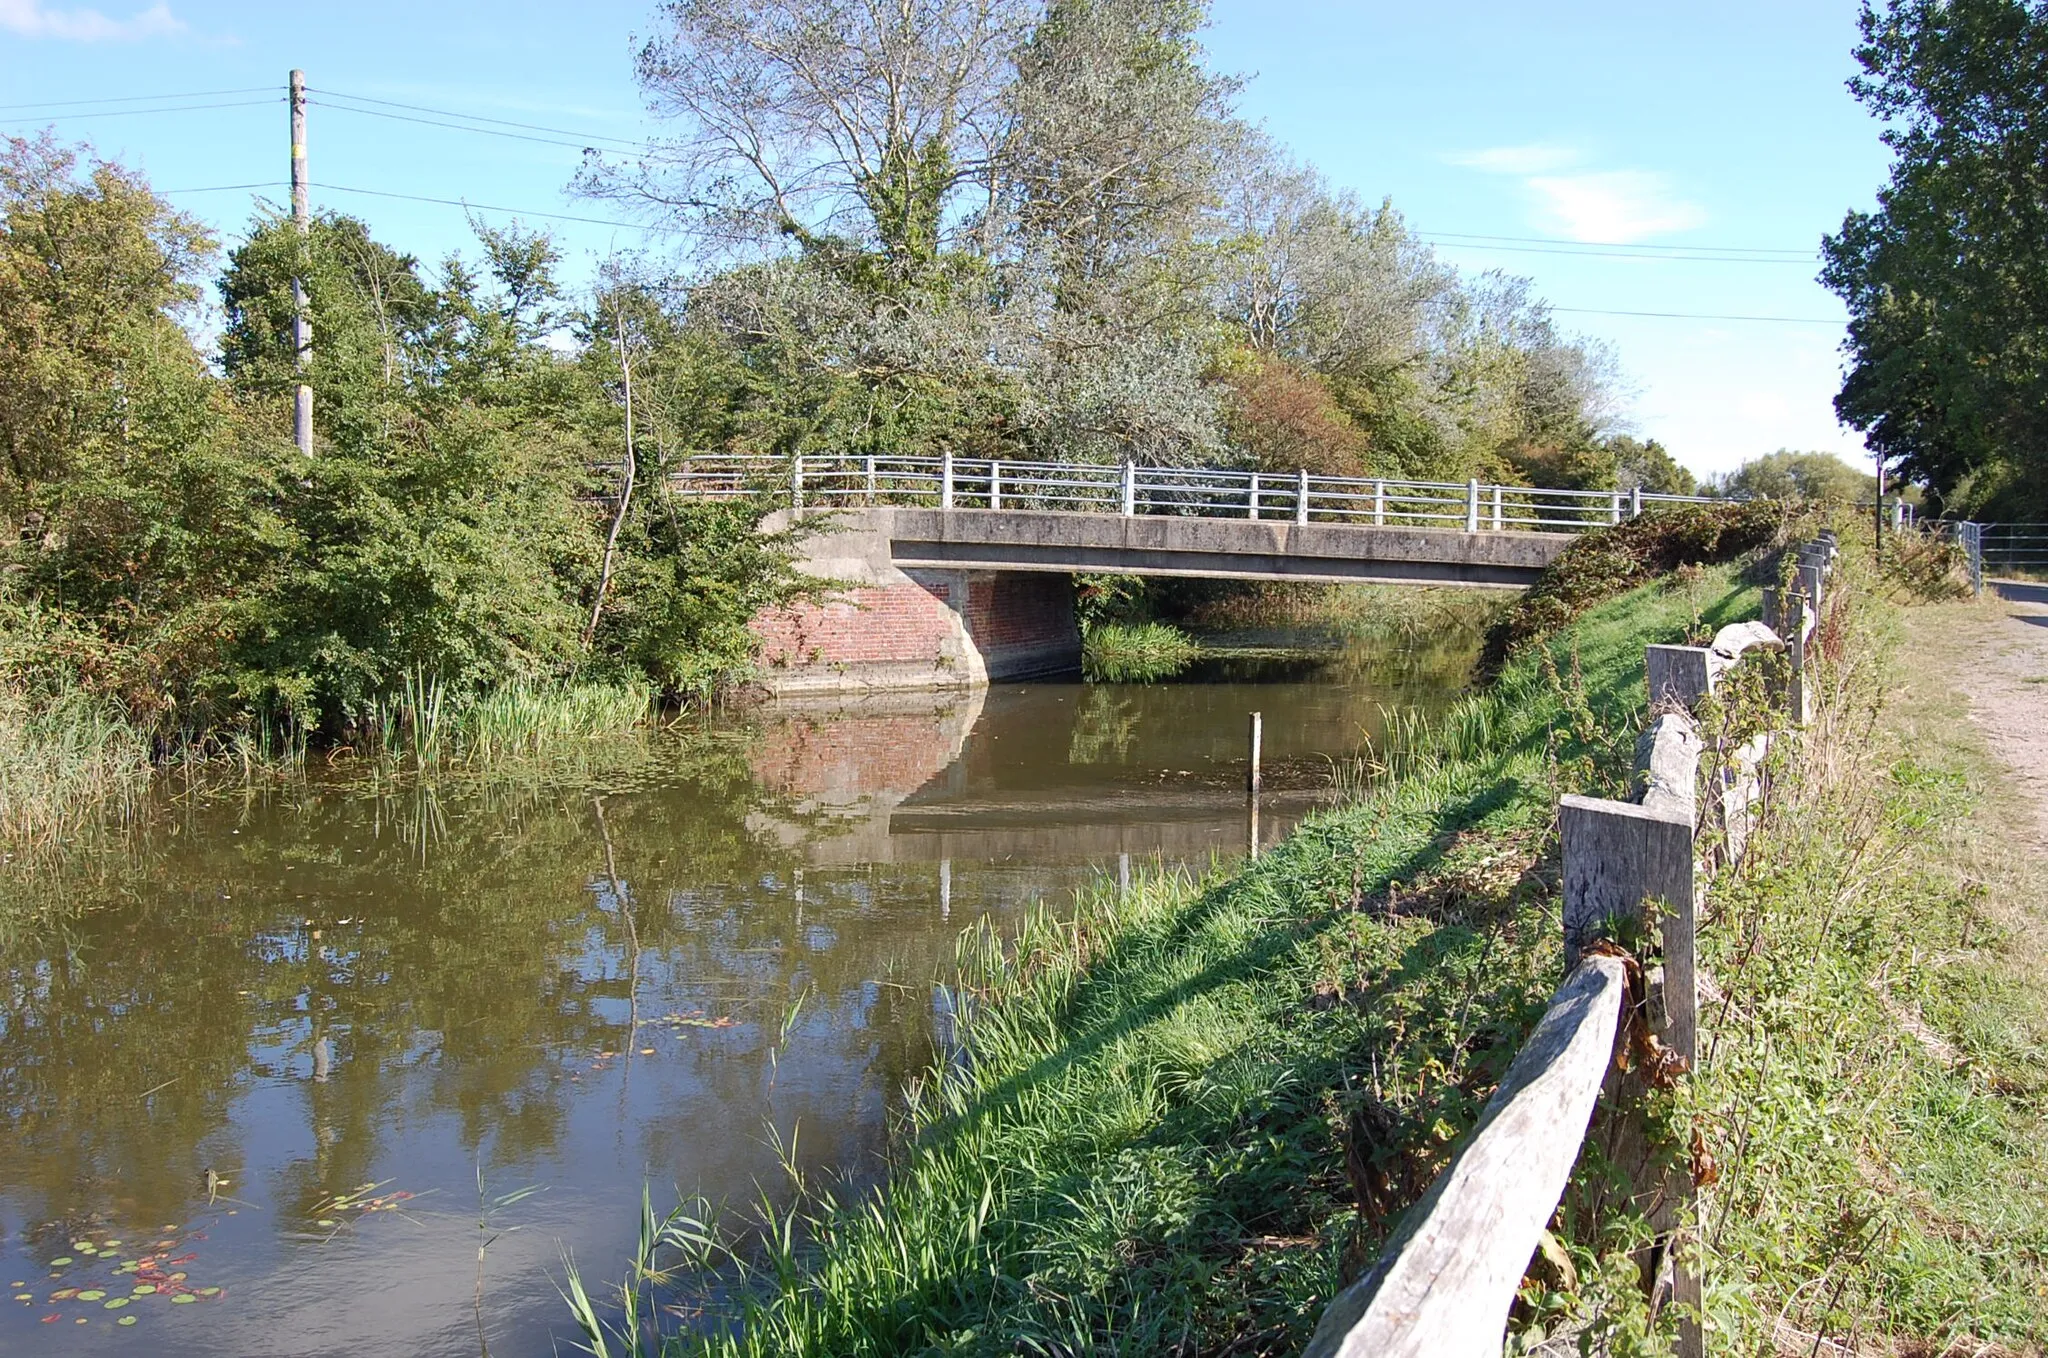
[1613, 560]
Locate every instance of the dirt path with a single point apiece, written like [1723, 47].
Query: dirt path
[1996, 655]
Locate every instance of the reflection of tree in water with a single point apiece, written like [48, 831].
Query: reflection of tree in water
[395, 952]
[1105, 724]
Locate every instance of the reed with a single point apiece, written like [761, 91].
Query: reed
[425, 727]
[64, 762]
[1136, 653]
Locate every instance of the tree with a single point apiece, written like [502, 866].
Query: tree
[1789, 475]
[96, 275]
[1648, 464]
[815, 119]
[1947, 282]
[1287, 420]
[1119, 136]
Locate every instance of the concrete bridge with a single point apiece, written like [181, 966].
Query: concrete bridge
[954, 571]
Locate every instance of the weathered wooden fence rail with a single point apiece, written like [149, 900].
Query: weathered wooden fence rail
[1445, 1282]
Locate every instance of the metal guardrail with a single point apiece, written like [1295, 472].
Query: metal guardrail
[2013, 544]
[948, 482]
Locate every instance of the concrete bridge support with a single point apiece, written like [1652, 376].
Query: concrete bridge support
[890, 627]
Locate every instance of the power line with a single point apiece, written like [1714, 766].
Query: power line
[1695, 316]
[229, 188]
[143, 112]
[138, 98]
[492, 207]
[627, 143]
[457, 127]
[1626, 245]
[1442, 243]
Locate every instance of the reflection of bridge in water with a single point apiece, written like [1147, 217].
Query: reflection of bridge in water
[1046, 773]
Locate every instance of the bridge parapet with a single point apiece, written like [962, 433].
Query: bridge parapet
[947, 482]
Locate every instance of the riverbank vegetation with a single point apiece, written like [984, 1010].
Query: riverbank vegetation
[1869, 1092]
[461, 553]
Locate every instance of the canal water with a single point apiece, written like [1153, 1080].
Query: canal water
[273, 1071]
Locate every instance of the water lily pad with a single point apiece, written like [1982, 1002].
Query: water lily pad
[144, 1289]
[81, 1244]
[64, 1294]
[60, 1261]
[125, 1320]
[116, 1303]
[182, 1298]
[91, 1294]
[177, 1277]
[111, 1244]
[326, 1221]
[24, 1296]
[89, 1250]
[209, 1291]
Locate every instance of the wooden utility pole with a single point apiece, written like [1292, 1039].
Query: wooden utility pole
[302, 327]
[1880, 510]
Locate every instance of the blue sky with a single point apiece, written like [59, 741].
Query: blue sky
[1595, 144]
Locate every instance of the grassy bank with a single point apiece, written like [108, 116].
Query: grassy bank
[1194, 1109]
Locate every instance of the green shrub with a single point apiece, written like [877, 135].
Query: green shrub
[1609, 561]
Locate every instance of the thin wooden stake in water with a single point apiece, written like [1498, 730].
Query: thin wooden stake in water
[1252, 783]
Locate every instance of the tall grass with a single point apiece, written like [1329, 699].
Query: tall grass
[64, 761]
[424, 726]
[1128, 653]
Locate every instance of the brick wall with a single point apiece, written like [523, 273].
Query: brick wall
[1023, 623]
[927, 629]
[905, 622]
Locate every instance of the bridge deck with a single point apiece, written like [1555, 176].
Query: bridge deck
[1160, 544]
[942, 597]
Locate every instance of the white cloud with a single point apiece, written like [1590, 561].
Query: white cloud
[1613, 205]
[1517, 160]
[29, 19]
[1625, 206]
